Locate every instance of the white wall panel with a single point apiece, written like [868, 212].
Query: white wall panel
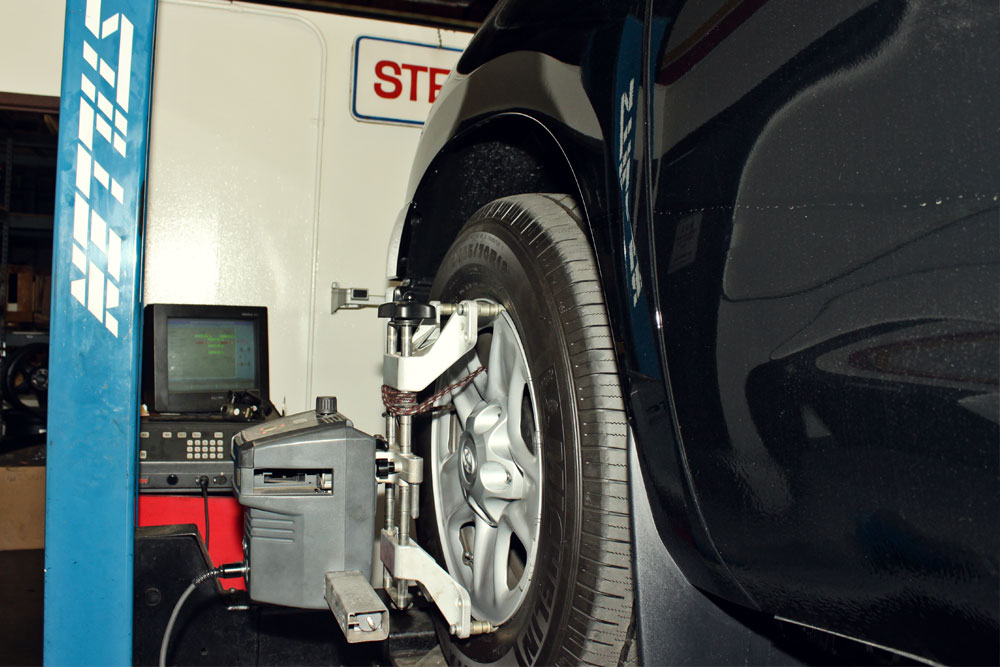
[263, 189]
[234, 165]
[31, 37]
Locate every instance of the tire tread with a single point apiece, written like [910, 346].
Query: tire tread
[596, 625]
[600, 622]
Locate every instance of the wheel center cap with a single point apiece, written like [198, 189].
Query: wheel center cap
[469, 463]
[489, 477]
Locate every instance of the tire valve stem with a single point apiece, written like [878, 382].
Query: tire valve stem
[481, 628]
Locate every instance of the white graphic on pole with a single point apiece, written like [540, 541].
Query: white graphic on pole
[94, 289]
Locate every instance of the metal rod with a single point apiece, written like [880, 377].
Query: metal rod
[485, 309]
[390, 436]
[405, 434]
[390, 338]
[405, 340]
[404, 513]
[390, 510]
[390, 421]
[404, 437]
[390, 507]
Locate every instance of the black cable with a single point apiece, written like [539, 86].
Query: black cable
[203, 483]
[272, 409]
[224, 571]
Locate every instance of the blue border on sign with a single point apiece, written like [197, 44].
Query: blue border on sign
[354, 82]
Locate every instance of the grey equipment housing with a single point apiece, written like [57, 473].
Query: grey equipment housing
[306, 483]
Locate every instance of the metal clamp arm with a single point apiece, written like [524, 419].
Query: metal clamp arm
[459, 334]
[412, 563]
[406, 467]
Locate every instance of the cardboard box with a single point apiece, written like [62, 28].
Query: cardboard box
[22, 507]
[43, 293]
[20, 301]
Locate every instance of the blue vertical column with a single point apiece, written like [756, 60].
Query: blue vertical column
[95, 332]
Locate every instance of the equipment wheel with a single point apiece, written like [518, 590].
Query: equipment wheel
[528, 505]
[26, 380]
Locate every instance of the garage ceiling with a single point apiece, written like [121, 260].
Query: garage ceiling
[461, 14]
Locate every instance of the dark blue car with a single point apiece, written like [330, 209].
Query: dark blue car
[743, 401]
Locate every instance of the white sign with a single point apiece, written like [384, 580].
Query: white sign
[395, 81]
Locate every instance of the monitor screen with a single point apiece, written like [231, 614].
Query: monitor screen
[210, 355]
[196, 354]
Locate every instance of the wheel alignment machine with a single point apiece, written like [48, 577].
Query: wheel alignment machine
[96, 311]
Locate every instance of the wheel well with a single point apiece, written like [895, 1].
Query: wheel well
[506, 156]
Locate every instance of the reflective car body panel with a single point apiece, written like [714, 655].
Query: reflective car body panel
[566, 85]
[794, 206]
[826, 257]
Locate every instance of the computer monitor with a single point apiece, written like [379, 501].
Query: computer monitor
[195, 354]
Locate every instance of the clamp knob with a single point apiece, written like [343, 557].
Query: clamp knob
[326, 405]
[406, 310]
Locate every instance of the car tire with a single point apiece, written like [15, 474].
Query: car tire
[529, 253]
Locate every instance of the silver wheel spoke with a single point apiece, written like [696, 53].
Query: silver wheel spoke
[469, 396]
[525, 460]
[451, 487]
[479, 382]
[457, 516]
[484, 561]
[497, 369]
[504, 364]
[461, 514]
[516, 520]
[501, 555]
[515, 398]
[519, 449]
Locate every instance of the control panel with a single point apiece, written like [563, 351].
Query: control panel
[175, 454]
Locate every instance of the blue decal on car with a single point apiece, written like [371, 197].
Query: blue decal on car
[627, 82]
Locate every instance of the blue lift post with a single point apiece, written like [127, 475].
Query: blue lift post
[95, 332]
